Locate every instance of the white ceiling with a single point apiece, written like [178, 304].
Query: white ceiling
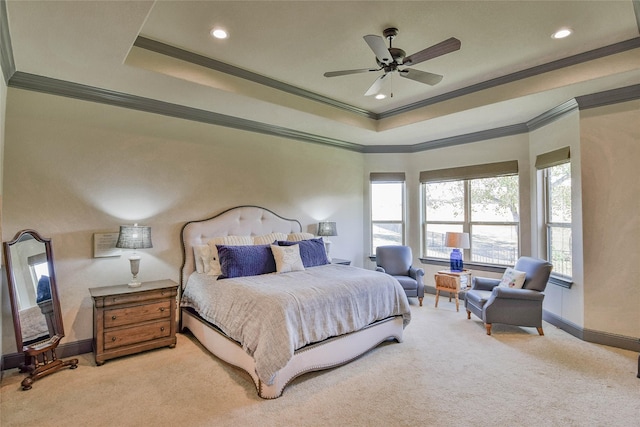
[91, 43]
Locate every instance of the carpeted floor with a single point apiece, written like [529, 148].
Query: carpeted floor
[447, 372]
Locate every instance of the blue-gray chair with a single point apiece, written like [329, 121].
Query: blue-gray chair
[519, 307]
[396, 261]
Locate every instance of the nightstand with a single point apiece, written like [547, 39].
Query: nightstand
[340, 261]
[131, 320]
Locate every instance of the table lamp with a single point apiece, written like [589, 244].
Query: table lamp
[327, 229]
[134, 237]
[456, 241]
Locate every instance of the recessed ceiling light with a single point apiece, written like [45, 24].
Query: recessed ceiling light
[381, 96]
[561, 33]
[219, 33]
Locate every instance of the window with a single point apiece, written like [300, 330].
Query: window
[556, 172]
[387, 209]
[480, 200]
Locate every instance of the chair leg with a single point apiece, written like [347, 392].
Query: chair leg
[420, 299]
[488, 326]
[468, 314]
[437, 296]
[457, 302]
[540, 331]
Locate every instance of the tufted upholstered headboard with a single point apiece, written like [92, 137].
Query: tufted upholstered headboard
[238, 221]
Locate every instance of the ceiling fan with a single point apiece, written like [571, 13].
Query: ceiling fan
[391, 58]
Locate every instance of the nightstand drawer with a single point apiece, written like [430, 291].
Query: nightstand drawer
[137, 334]
[136, 314]
[139, 297]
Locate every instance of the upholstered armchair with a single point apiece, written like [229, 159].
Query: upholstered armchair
[500, 304]
[396, 261]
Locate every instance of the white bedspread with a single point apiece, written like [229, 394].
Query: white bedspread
[273, 315]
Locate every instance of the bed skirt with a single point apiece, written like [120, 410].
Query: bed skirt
[329, 353]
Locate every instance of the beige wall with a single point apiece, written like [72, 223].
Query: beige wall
[610, 155]
[3, 104]
[74, 168]
[567, 304]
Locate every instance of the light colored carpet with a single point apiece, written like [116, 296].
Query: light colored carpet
[447, 372]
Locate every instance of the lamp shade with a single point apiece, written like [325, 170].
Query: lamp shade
[134, 237]
[327, 228]
[457, 240]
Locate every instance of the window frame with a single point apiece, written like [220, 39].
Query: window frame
[387, 178]
[550, 225]
[467, 225]
[466, 175]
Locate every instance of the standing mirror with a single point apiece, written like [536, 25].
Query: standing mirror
[35, 306]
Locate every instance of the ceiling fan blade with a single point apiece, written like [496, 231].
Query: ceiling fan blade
[376, 87]
[442, 48]
[421, 76]
[347, 72]
[376, 43]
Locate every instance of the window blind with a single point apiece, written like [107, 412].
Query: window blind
[387, 177]
[553, 158]
[488, 170]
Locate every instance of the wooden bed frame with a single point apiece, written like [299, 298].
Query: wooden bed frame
[257, 221]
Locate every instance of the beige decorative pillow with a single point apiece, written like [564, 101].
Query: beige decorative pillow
[214, 261]
[268, 239]
[513, 278]
[298, 237]
[287, 258]
[201, 256]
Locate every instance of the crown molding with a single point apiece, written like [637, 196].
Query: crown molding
[213, 64]
[552, 115]
[613, 96]
[57, 87]
[52, 86]
[519, 75]
[6, 51]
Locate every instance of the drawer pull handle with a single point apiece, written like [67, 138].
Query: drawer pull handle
[161, 308]
[113, 317]
[162, 329]
[113, 338]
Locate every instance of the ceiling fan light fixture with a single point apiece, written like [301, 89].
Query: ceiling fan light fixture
[219, 33]
[562, 33]
[381, 96]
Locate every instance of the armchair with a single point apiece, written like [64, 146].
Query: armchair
[520, 307]
[396, 261]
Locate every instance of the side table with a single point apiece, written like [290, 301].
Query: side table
[451, 281]
[130, 320]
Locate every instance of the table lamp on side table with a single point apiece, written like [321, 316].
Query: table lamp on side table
[134, 237]
[327, 229]
[456, 241]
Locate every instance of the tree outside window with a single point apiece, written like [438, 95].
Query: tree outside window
[486, 208]
[387, 214]
[558, 218]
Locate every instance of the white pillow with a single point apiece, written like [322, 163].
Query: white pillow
[297, 237]
[201, 255]
[214, 262]
[513, 278]
[287, 258]
[268, 239]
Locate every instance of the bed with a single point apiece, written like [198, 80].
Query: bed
[277, 326]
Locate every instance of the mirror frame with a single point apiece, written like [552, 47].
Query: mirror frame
[15, 309]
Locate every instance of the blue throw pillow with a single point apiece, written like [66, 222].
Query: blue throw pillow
[240, 261]
[312, 251]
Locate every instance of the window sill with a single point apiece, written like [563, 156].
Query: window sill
[561, 281]
[469, 265]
